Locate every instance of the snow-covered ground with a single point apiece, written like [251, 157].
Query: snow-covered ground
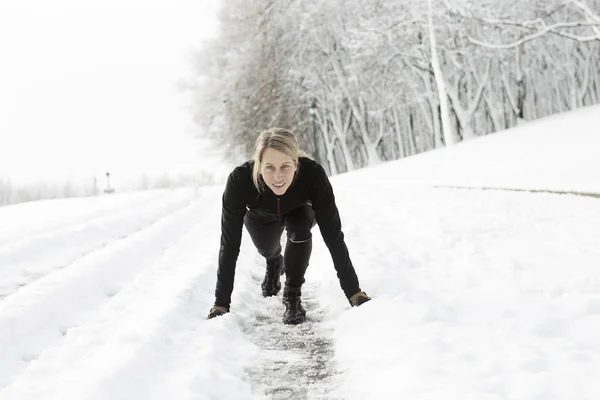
[477, 294]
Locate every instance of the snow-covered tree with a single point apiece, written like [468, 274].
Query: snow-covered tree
[390, 79]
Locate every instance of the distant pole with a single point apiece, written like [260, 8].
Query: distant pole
[108, 188]
[313, 113]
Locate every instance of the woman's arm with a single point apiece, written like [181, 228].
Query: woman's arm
[328, 218]
[232, 220]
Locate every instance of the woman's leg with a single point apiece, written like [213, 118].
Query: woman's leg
[266, 230]
[298, 249]
[298, 224]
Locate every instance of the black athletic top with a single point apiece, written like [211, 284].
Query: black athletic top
[311, 185]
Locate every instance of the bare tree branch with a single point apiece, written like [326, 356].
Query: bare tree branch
[548, 29]
[589, 14]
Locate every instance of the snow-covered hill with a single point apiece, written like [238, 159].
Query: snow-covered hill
[477, 294]
[558, 153]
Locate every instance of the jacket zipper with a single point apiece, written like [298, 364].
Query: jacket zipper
[278, 209]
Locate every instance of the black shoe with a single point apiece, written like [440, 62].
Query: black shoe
[294, 313]
[271, 284]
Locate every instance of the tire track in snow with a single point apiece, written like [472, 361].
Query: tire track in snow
[37, 211]
[136, 345]
[38, 316]
[506, 189]
[43, 254]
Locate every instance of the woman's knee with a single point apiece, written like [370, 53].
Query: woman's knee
[265, 233]
[299, 223]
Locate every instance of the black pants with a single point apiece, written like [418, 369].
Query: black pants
[266, 229]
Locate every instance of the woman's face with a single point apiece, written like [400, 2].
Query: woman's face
[277, 170]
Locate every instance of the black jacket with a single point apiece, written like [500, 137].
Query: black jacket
[311, 185]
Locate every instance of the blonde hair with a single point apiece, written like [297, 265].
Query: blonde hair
[279, 139]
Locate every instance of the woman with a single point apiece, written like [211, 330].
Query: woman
[281, 188]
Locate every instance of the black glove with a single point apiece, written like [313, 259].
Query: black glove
[358, 298]
[217, 311]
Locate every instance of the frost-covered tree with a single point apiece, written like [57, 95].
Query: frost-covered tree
[390, 79]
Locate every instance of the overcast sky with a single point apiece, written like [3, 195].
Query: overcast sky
[90, 86]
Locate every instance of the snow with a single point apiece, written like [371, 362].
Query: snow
[477, 294]
[553, 153]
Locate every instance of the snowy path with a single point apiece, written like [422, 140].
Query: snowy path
[75, 310]
[477, 295]
[126, 319]
[27, 220]
[563, 192]
[295, 362]
[52, 247]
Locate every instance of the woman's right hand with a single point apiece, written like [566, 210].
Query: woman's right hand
[217, 311]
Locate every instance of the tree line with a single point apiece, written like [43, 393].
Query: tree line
[388, 79]
[14, 192]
